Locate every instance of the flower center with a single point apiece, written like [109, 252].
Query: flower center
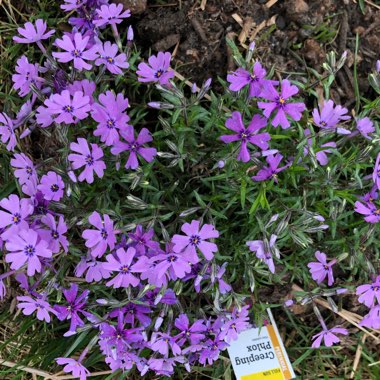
[158, 73]
[16, 218]
[172, 258]
[323, 123]
[55, 234]
[125, 269]
[195, 240]
[281, 101]
[89, 160]
[110, 123]
[104, 233]
[68, 109]
[214, 347]
[253, 77]
[54, 188]
[326, 267]
[134, 147]
[110, 60]
[76, 53]
[375, 288]
[29, 250]
[29, 170]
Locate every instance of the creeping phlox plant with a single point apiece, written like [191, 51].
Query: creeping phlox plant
[156, 299]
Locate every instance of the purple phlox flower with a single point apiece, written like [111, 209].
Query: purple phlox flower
[169, 298]
[196, 239]
[279, 102]
[75, 306]
[256, 80]
[193, 333]
[111, 14]
[365, 127]
[26, 74]
[87, 87]
[7, 133]
[142, 240]
[73, 366]
[122, 263]
[162, 343]
[108, 55]
[264, 251]
[15, 217]
[322, 154]
[62, 108]
[319, 270]
[369, 292]
[369, 209]
[137, 313]
[271, 171]
[246, 135]
[119, 336]
[176, 265]
[376, 172]
[3, 289]
[329, 117]
[164, 366]
[70, 5]
[95, 270]
[147, 267]
[24, 113]
[378, 65]
[157, 70]
[328, 336]
[111, 116]
[55, 234]
[25, 247]
[24, 168]
[76, 50]
[372, 319]
[89, 158]
[30, 188]
[30, 305]
[211, 350]
[51, 186]
[33, 33]
[223, 286]
[239, 322]
[134, 146]
[105, 235]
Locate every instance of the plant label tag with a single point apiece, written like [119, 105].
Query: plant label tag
[259, 354]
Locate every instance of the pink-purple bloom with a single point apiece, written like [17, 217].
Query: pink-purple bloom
[26, 75]
[111, 14]
[63, 108]
[24, 168]
[365, 127]
[74, 367]
[51, 186]
[157, 70]
[196, 239]
[16, 214]
[25, 247]
[121, 262]
[33, 33]
[280, 102]
[54, 235]
[372, 319]
[262, 252]
[246, 135]
[255, 80]
[329, 117]
[88, 157]
[7, 133]
[376, 172]
[108, 55]
[76, 304]
[28, 305]
[111, 116]
[369, 209]
[134, 146]
[76, 50]
[328, 337]
[369, 292]
[104, 236]
[319, 270]
[322, 154]
[270, 171]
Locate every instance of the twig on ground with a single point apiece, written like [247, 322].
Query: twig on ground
[357, 356]
[270, 3]
[203, 4]
[369, 3]
[198, 28]
[33, 371]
